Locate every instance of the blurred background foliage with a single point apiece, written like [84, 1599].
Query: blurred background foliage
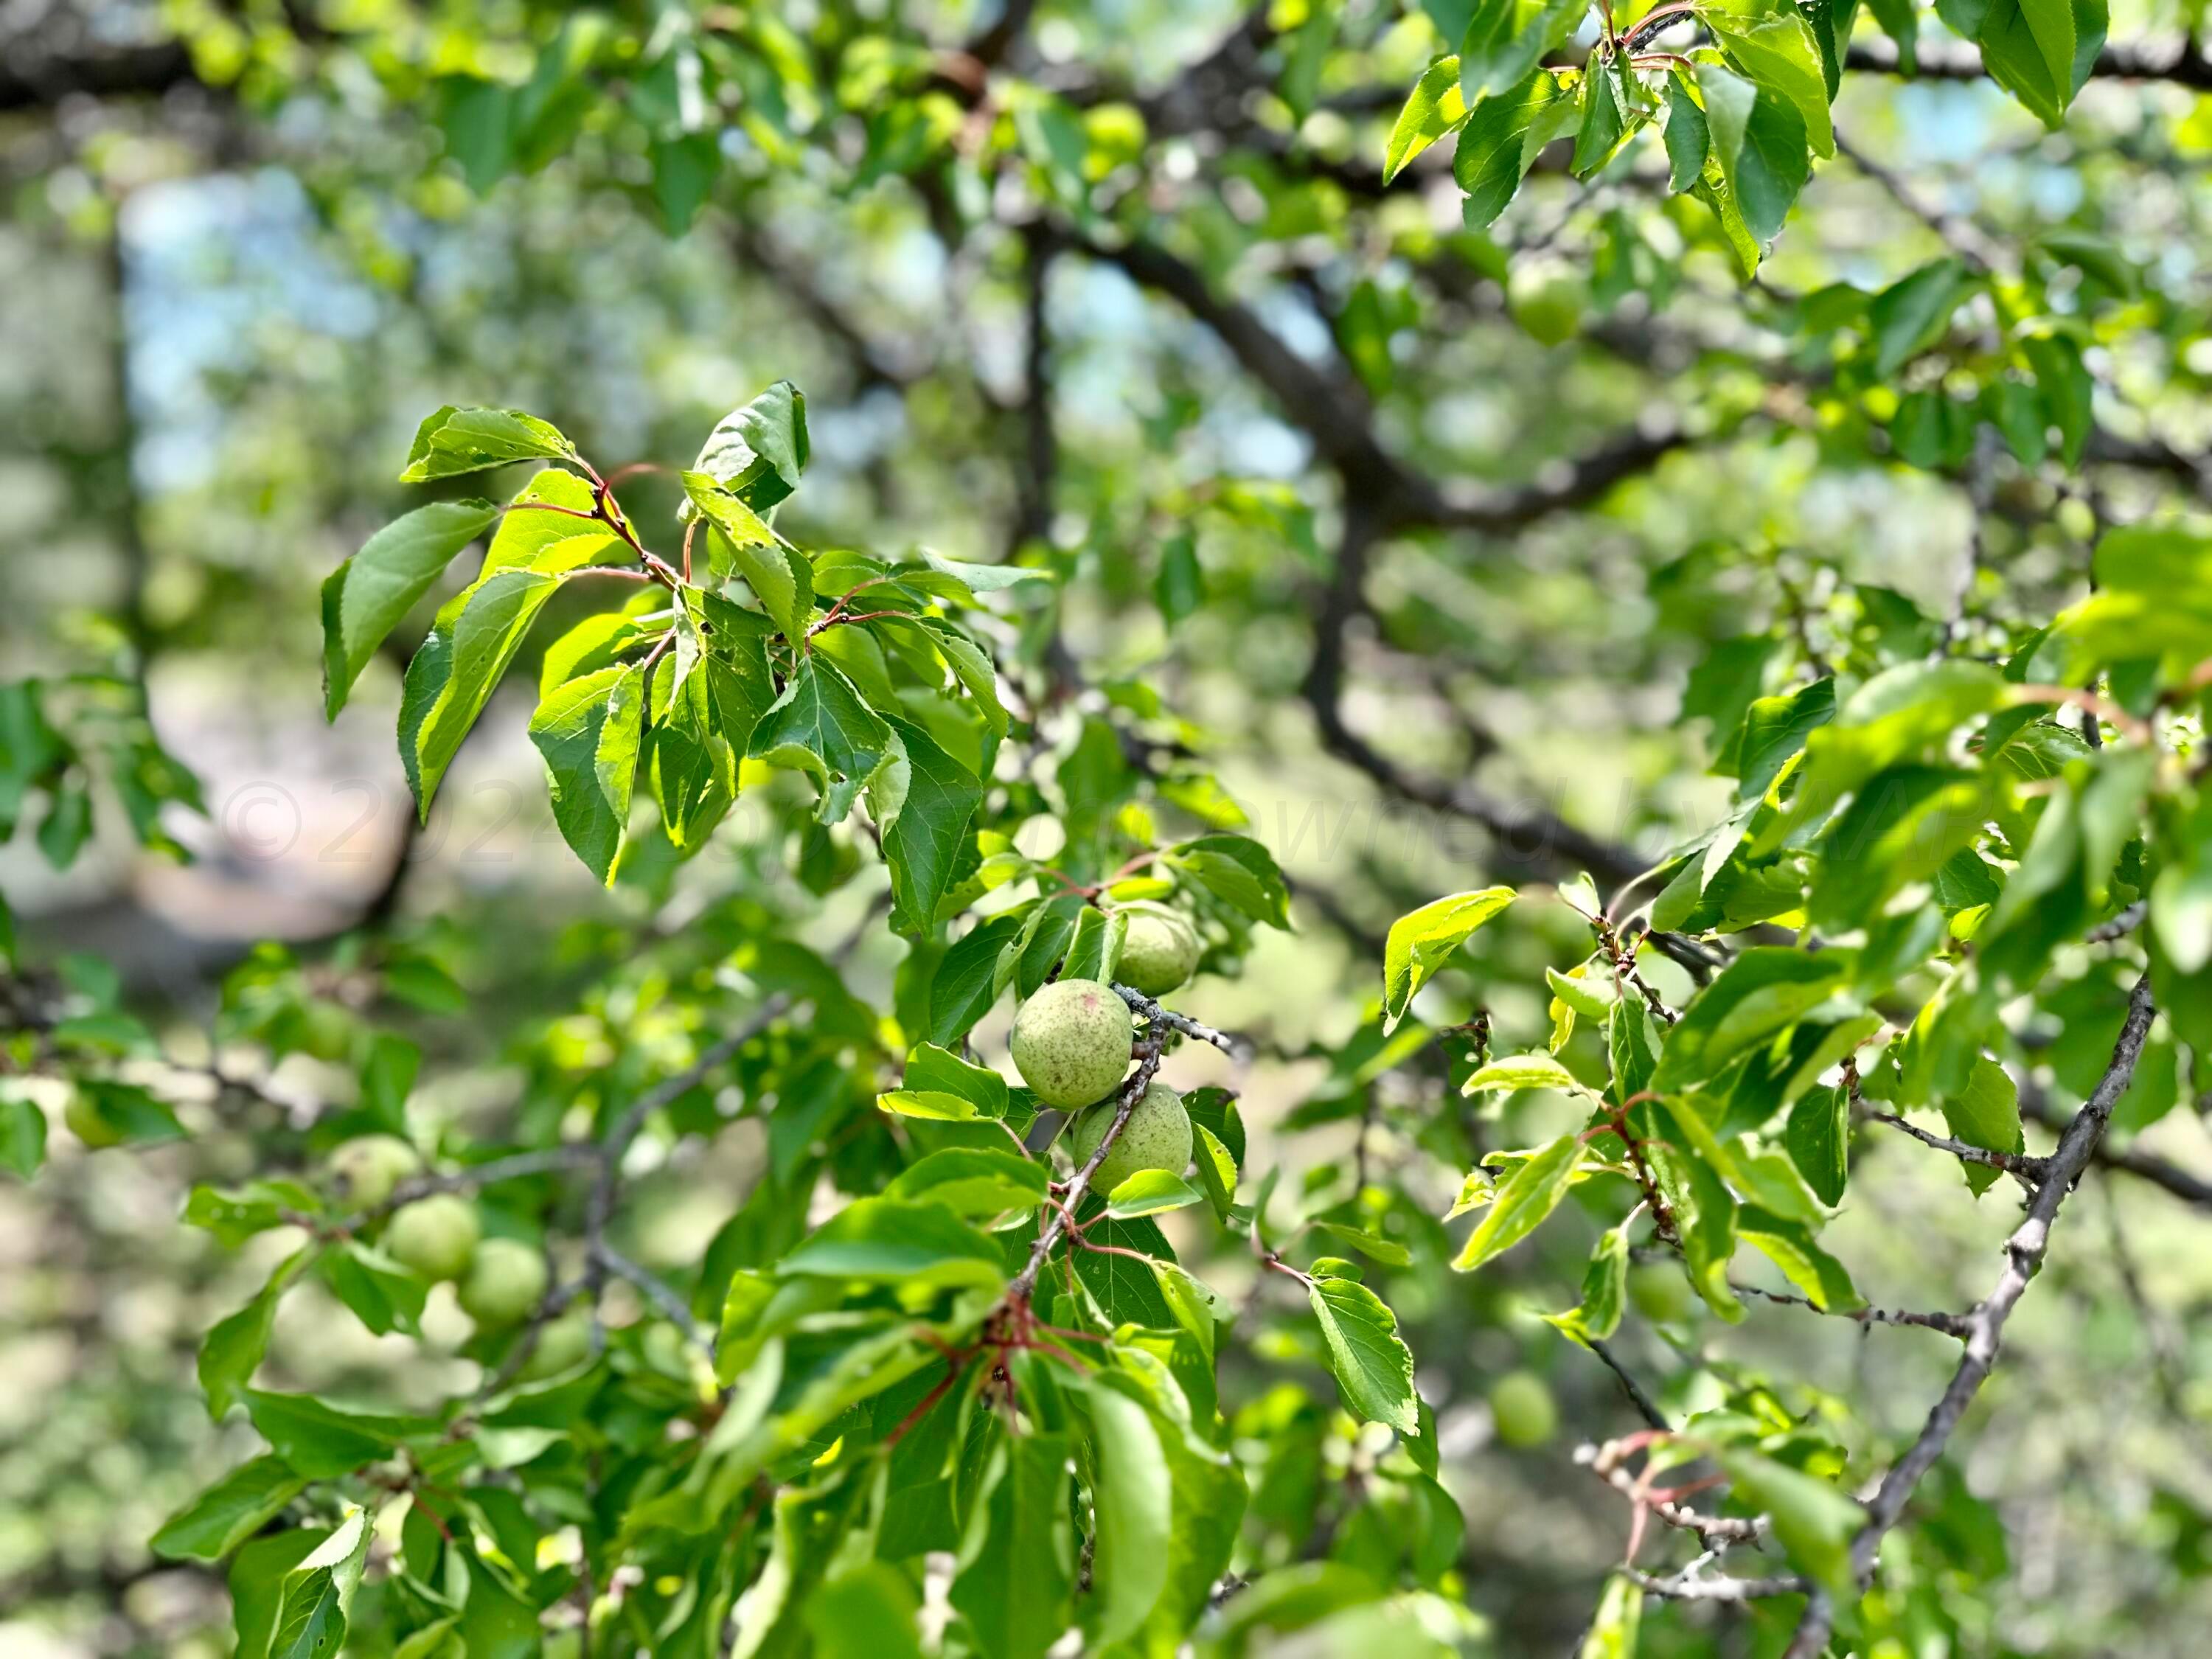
[1146, 313]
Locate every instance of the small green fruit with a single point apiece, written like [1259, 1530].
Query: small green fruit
[506, 1282]
[1071, 1042]
[1155, 1137]
[87, 1124]
[435, 1236]
[1159, 952]
[363, 1172]
[1659, 1291]
[1524, 1410]
[561, 1345]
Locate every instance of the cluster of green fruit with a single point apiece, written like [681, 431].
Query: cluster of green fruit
[1073, 1039]
[499, 1282]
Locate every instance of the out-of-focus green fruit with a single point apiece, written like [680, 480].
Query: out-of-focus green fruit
[1659, 1291]
[86, 1123]
[363, 1172]
[327, 1030]
[1160, 950]
[1155, 1137]
[1547, 300]
[564, 1342]
[506, 1282]
[1523, 1409]
[435, 1236]
[1071, 1042]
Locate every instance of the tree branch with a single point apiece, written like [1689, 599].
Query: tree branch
[1956, 61]
[2023, 1256]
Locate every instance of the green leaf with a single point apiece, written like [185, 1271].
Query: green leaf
[129, 1113]
[454, 441]
[886, 1240]
[1517, 1072]
[1774, 730]
[1632, 1041]
[257, 1585]
[966, 983]
[1502, 137]
[321, 1442]
[454, 673]
[1531, 1193]
[1613, 1634]
[1818, 1138]
[317, 1594]
[778, 575]
[387, 1077]
[1605, 1291]
[1372, 1365]
[1914, 312]
[2041, 50]
[534, 536]
[233, 1217]
[1765, 989]
[1771, 42]
[1610, 111]
[1790, 1246]
[231, 1351]
[1985, 1113]
[589, 732]
[930, 1103]
[982, 578]
[1705, 1221]
[868, 1612]
[971, 666]
[1905, 713]
[1902, 827]
[367, 597]
[973, 1181]
[1150, 1192]
[1717, 192]
[1422, 941]
[684, 173]
[2153, 600]
[924, 837]
[22, 1134]
[2066, 389]
[1759, 138]
[821, 726]
[383, 1295]
[1436, 107]
[1813, 1521]
[229, 1512]
[1016, 1565]
[928, 1066]
[1128, 1293]
[1688, 141]
[1373, 1246]
[1240, 872]
[1132, 1507]
[1507, 39]
[756, 452]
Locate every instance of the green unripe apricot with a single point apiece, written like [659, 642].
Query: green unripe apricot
[363, 1172]
[1659, 1291]
[1155, 1137]
[435, 1236]
[1071, 1042]
[87, 1124]
[564, 1342]
[1522, 1407]
[1159, 952]
[506, 1282]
